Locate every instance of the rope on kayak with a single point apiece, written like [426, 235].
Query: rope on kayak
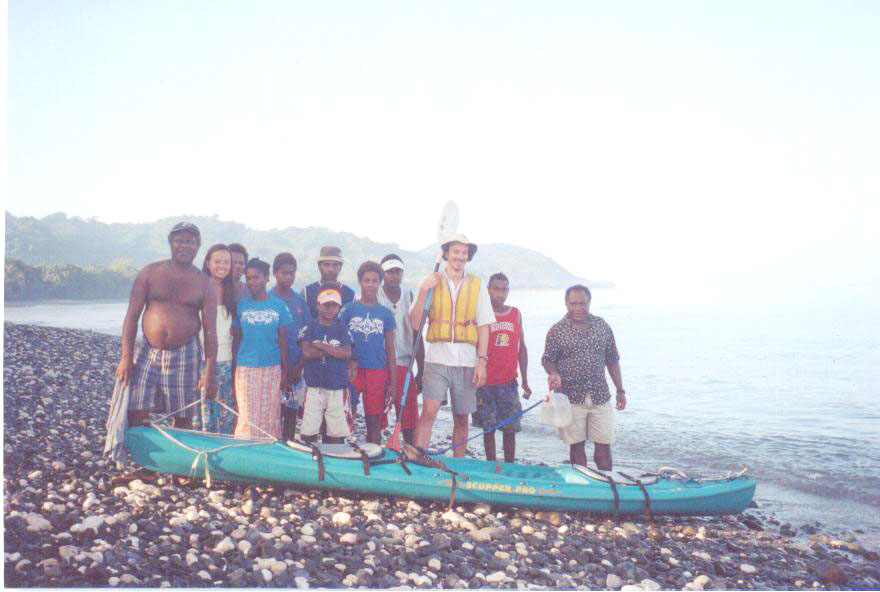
[420, 457]
[498, 425]
[206, 453]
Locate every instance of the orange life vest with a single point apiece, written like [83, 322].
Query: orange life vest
[458, 325]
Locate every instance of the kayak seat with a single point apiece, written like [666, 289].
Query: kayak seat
[346, 451]
[615, 476]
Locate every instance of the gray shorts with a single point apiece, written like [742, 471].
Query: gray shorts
[458, 380]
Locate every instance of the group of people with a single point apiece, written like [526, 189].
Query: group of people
[262, 357]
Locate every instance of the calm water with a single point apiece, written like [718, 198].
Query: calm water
[784, 381]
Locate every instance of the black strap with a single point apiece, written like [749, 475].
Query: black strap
[616, 495]
[365, 459]
[452, 495]
[318, 456]
[400, 460]
[648, 514]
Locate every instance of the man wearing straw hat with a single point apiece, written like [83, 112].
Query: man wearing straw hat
[329, 264]
[457, 339]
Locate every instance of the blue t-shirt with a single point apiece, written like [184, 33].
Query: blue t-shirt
[368, 326]
[312, 296]
[326, 372]
[259, 321]
[299, 312]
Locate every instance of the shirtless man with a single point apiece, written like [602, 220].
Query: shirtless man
[174, 292]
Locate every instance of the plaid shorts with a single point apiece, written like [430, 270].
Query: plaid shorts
[175, 372]
[495, 404]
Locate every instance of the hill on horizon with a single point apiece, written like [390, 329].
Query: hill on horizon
[62, 239]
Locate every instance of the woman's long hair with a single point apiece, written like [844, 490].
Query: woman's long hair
[230, 295]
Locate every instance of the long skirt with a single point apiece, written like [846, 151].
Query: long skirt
[258, 392]
[217, 419]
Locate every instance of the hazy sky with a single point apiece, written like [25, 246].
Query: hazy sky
[638, 142]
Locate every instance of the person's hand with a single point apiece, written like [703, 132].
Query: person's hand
[124, 371]
[352, 372]
[390, 391]
[431, 281]
[621, 400]
[527, 392]
[479, 374]
[554, 381]
[296, 373]
[208, 384]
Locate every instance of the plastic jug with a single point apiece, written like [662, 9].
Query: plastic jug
[556, 411]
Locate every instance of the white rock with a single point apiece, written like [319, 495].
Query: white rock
[747, 569]
[267, 575]
[36, 522]
[613, 581]
[451, 516]
[129, 579]
[348, 538]
[247, 508]
[307, 530]
[244, 547]
[192, 516]
[413, 507]
[308, 540]
[701, 580]
[702, 555]
[91, 500]
[482, 509]
[301, 583]
[92, 522]
[701, 533]
[630, 588]
[672, 561]
[563, 529]
[191, 558]
[278, 567]
[435, 564]
[650, 585]
[35, 474]
[496, 577]
[607, 564]
[58, 465]
[113, 581]
[147, 488]
[238, 533]
[67, 551]
[224, 546]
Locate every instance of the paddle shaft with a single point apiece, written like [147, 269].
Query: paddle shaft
[416, 339]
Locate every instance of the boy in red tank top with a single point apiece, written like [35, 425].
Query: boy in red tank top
[499, 398]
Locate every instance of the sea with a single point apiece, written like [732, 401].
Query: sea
[782, 380]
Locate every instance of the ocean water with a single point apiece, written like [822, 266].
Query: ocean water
[783, 381]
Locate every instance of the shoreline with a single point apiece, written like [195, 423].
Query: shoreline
[66, 526]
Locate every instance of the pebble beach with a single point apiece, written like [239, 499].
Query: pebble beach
[67, 526]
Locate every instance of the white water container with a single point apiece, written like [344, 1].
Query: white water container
[556, 411]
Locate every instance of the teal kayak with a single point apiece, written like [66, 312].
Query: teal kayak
[373, 469]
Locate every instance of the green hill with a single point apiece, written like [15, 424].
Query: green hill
[62, 240]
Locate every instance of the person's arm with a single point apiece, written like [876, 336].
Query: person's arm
[417, 311]
[343, 352]
[548, 360]
[482, 355]
[391, 364]
[420, 359]
[136, 302]
[310, 351]
[236, 343]
[282, 348]
[617, 379]
[523, 358]
[208, 382]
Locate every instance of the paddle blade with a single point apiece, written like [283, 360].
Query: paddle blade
[448, 221]
[394, 440]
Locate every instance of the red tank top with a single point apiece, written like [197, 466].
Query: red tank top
[504, 336]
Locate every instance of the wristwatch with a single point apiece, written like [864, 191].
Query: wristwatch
[621, 392]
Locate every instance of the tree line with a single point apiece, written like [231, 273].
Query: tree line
[67, 282]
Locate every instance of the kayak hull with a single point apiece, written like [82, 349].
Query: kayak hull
[561, 488]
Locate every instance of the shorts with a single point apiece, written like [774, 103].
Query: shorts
[589, 422]
[371, 383]
[175, 372]
[495, 404]
[458, 380]
[411, 407]
[324, 404]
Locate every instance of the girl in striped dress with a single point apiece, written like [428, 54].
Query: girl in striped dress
[260, 347]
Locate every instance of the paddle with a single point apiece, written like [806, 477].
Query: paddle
[448, 225]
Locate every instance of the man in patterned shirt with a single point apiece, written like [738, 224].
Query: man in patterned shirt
[577, 351]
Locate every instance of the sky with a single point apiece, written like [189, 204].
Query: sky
[643, 143]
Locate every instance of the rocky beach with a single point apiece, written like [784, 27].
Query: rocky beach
[67, 526]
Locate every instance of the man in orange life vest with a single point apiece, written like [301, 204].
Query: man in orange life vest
[456, 352]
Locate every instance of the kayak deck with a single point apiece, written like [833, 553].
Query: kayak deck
[563, 487]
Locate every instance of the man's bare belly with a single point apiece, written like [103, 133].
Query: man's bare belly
[169, 326]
